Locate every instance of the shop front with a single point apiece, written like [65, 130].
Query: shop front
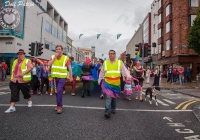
[192, 61]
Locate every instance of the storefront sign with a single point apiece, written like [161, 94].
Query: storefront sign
[38, 4]
[8, 42]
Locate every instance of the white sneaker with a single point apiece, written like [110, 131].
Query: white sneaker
[30, 104]
[47, 92]
[10, 110]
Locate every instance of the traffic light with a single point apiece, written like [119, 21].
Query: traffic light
[137, 48]
[39, 49]
[147, 49]
[128, 58]
[32, 49]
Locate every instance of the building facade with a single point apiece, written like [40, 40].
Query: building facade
[69, 46]
[147, 38]
[40, 22]
[78, 55]
[87, 52]
[154, 33]
[175, 17]
[136, 39]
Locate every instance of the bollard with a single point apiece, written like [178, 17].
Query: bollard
[197, 79]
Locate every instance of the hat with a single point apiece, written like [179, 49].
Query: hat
[21, 51]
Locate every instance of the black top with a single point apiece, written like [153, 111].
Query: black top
[87, 69]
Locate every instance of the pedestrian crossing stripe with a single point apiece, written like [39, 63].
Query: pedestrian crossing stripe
[2, 93]
[186, 104]
[159, 101]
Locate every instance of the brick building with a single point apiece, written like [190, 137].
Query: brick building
[174, 20]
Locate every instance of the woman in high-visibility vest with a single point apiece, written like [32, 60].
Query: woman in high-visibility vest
[58, 64]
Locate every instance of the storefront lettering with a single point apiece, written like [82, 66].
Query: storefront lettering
[19, 44]
[8, 42]
[36, 3]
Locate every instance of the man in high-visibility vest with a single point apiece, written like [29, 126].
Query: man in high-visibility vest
[20, 78]
[111, 72]
[59, 64]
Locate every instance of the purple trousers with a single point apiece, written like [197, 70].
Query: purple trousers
[60, 83]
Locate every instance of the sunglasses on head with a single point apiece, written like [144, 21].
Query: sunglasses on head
[20, 54]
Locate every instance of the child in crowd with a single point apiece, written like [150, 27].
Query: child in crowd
[138, 90]
[128, 86]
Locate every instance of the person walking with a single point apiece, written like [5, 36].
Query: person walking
[74, 67]
[35, 83]
[5, 68]
[139, 74]
[181, 74]
[19, 81]
[174, 74]
[58, 64]
[169, 74]
[156, 77]
[111, 72]
[86, 76]
[148, 76]
[43, 77]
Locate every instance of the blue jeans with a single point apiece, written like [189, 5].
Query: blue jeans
[181, 79]
[110, 104]
[4, 74]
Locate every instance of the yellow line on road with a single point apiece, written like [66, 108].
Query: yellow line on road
[187, 103]
[185, 107]
[182, 104]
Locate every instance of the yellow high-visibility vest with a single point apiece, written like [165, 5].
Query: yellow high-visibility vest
[26, 77]
[58, 68]
[112, 70]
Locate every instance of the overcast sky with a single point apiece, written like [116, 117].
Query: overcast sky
[105, 17]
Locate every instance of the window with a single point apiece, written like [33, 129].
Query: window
[194, 3]
[53, 47]
[47, 44]
[86, 53]
[159, 48]
[64, 39]
[48, 27]
[54, 31]
[159, 4]
[159, 33]
[59, 35]
[168, 26]
[168, 45]
[154, 28]
[159, 18]
[168, 10]
[192, 18]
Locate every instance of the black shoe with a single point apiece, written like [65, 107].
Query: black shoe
[107, 115]
[113, 111]
[82, 94]
[88, 93]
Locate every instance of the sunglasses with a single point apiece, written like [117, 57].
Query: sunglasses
[20, 54]
[111, 53]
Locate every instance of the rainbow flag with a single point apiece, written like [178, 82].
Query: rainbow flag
[137, 56]
[111, 86]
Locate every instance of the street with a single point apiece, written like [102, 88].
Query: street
[83, 118]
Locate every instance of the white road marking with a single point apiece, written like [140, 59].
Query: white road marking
[159, 101]
[100, 108]
[2, 93]
[4, 88]
[169, 101]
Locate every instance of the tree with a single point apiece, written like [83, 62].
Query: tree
[194, 34]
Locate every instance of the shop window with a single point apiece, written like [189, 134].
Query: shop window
[159, 18]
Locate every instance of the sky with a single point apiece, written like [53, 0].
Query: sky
[105, 17]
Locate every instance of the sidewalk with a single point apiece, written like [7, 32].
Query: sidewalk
[174, 86]
[6, 82]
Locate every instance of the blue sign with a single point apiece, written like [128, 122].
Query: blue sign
[38, 4]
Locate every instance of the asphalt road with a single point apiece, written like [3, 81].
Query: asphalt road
[83, 118]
